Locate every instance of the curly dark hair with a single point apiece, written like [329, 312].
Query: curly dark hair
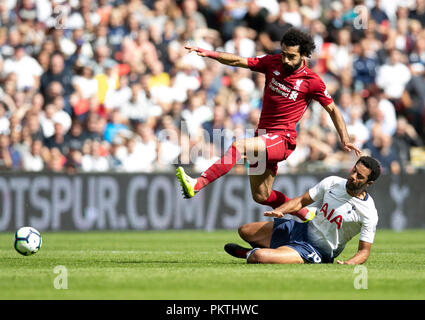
[296, 37]
[373, 165]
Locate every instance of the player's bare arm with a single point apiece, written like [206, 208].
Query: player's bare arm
[361, 255]
[222, 57]
[292, 205]
[341, 128]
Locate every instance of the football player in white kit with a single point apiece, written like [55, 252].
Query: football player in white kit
[343, 209]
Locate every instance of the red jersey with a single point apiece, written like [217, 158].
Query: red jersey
[286, 95]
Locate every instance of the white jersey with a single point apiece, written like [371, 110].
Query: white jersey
[339, 217]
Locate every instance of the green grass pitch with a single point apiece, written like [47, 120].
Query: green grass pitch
[176, 265]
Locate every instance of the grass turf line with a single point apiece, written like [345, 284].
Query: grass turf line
[174, 265]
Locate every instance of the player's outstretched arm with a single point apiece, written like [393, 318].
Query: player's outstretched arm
[222, 57]
[361, 256]
[292, 205]
[341, 128]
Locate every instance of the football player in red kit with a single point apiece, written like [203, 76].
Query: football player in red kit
[289, 88]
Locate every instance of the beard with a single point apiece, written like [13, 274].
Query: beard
[356, 189]
[290, 68]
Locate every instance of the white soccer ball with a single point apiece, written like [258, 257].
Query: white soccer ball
[27, 241]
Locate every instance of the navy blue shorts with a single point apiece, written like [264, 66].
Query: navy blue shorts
[294, 234]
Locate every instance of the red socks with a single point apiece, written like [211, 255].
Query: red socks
[277, 198]
[218, 169]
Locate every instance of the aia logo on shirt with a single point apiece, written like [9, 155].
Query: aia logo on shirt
[329, 215]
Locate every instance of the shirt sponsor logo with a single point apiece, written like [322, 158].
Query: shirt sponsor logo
[298, 84]
[293, 96]
[282, 90]
[329, 215]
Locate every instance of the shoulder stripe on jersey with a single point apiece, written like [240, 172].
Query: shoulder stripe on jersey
[302, 69]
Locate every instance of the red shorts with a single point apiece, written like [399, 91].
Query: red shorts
[278, 147]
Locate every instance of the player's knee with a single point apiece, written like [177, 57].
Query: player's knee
[244, 232]
[259, 197]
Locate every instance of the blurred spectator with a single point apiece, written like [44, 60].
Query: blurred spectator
[32, 125]
[418, 13]
[413, 99]
[74, 138]
[141, 154]
[116, 154]
[344, 104]
[340, 59]
[158, 78]
[91, 128]
[4, 121]
[291, 13]
[215, 130]
[380, 146]
[138, 107]
[364, 68]
[57, 140]
[92, 160]
[56, 73]
[190, 12]
[32, 160]
[111, 80]
[356, 129]
[26, 68]
[271, 36]
[168, 144]
[10, 159]
[206, 159]
[114, 125]
[74, 159]
[55, 161]
[232, 16]
[85, 85]
[393, 76]
[404, 138]
[256, 16]
[196, 113]
[116, 29]
[335, 21]
[46, 120]
[240, 44]
[378, 14]
[381, 112]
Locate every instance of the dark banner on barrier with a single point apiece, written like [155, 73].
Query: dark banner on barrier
[154, 201]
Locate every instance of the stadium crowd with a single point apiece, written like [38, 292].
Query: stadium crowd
[107, 85]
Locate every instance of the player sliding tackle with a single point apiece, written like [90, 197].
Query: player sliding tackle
[344, 209]
[290, 86]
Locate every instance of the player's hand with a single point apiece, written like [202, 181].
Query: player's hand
[202, 52]
[352, 147]
[195, 49]
[344, 262]
[274, 214]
